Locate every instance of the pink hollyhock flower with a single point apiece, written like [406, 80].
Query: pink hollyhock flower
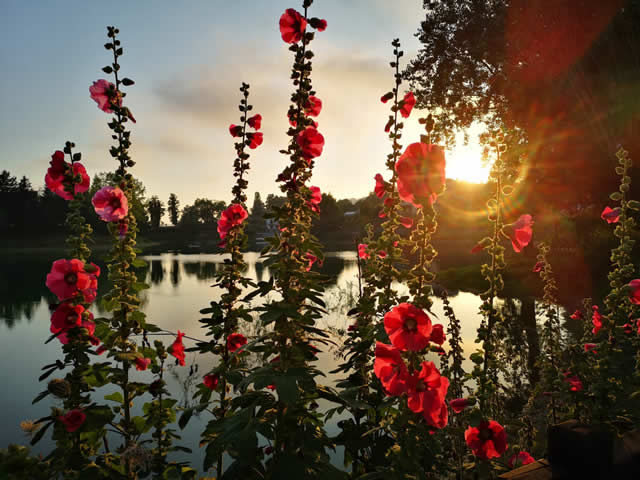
[577, 315]
[488, 440]
[311, 258]
[255, 140]
[66, 316]
[388, 202]
[386, 97]
[316, 199]
[318, 23]
[390, 369]
[590, 347]
[231, 217]
[458, 404]
[382, 254]
[381, 214]
[235, 130]
[255, 121]
[87, 324]
[177, 348]
[211, 381]
[312, 106]
[408, 327]
[236, 341]
[362, 251]
[627, 328]
[426, 392]
[67, 277]
[142, 363]
[379, 189]
[520, 458]
[574, 382]
[520, 232]
[311, 142]
[111, 204]
[634, 291]
[104, 94]
[292, 26]
[406, 105]
[396, 243]
[406, 222]
[611, 215]
[596, 319]
[538, 267]
[421, 173]
[55, 179]
[73, 419]
[437, 334]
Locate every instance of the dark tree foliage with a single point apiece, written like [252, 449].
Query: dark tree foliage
[203, 211]
[560, 76]
[173, 207]
[156, 211]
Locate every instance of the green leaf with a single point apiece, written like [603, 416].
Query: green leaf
[138, 286]
[138, 263]
[36, 438]
[115, 397]
[616, 196]
[184, 418]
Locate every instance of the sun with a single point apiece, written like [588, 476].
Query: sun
[464, 162]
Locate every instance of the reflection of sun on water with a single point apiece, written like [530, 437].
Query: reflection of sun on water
[464, 162]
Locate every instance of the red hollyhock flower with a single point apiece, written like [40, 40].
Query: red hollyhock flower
[235, 130]
[574, 382]
[111, 204]
[390, 369]
[292, 26]
[101, 349]
[577, 315]
[85, 323]
[235, 341]
[386, 97]
[437, 334]
[318, 24]
[388, 202]
[487, 441]
[66, 316]
[311, 143]
[211, 381]
[458, 404]
[520, 458]
[627, 328]
[478, 248]
[255, 121]
[406, 222]
[362, 251]
[638, 325]
[382, 254]
[387, 126]
[634, 293]
[590, 347]
[231, 217]
[55, 178]
[142, 363]
[67, 277]
[596, 319]
[255, 140]
[379, 188]
[316, 199]
[519, 232]
[381, 214]
[312, 106]
[611, 215]
[408, 327]
[538, 267]
[311, 258]
[73, 419]
[406, 105]
[426, 393]
[104, 94]
[177, 348]
[421, 173]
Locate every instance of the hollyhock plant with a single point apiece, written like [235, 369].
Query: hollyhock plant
[611, 215]
[575, 384]
[390, 369]
[292, 26]
[211, 381]
[104, 94]
[458, 404]
[55, 178]
[421, 173]
[590, 347]
[86, 323]
[406, 222]
[386, 97]
[311, 142]
[634, 291]
[382, 254]
[67, 277]
[177, 348]
[426, 391]
[627, 328]
[142, 363]
[379, 189]
[319, 24]
[111, 204]
[406, 105]
[520, 458]
[73, 419]
[255, 122]
[66, 316]
[596, 319]
[538, 267]
[235, 130]
[316, 199]
[231, 217]
[236, 341]
[519, 232]
[254, 139]
[437, 334]
[408, 327]
[311, 258]
[477, 248]
[312, 106]
[488, 440]
[362, 251]
[577, 315]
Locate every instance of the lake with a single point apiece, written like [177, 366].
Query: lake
[180, 287]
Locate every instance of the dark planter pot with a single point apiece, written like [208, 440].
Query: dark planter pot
[590, 452]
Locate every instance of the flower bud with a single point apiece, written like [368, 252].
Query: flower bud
[59, 388]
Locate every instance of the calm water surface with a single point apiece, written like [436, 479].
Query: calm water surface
[180, 287]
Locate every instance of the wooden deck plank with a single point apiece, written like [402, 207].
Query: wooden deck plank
[540, 470]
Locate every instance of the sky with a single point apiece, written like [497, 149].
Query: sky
[188, 60]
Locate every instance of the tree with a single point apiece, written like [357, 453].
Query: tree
[24, 185]
[258, 209]
[173, 208]
[8, 183]
[156, 211]
[203, 211]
